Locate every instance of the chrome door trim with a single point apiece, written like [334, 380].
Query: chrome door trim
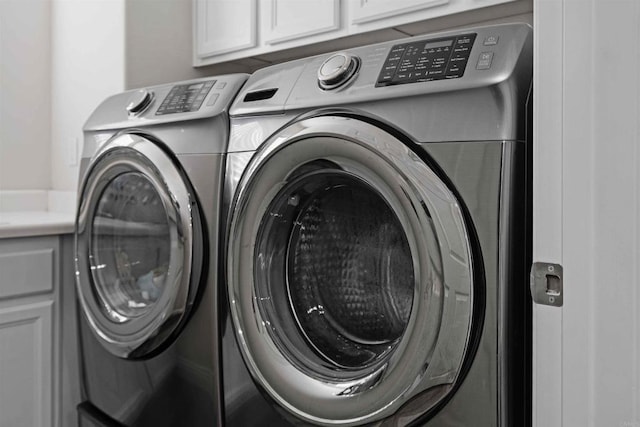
[139, 336]
[427, 361]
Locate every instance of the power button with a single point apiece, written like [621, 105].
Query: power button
[491, 41]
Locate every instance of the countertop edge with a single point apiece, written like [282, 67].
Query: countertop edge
[30, 224]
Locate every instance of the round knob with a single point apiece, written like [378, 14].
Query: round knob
[139, 101]
[337, 70]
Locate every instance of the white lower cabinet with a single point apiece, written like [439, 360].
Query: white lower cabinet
[26, 365]
[38, 361]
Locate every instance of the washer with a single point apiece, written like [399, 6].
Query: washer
[378, 236]
[146, 249]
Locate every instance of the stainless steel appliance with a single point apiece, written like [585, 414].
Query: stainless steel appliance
[378, 236]
[147, 233]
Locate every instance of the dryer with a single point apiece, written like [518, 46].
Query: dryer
[146, 254]
[377, 208]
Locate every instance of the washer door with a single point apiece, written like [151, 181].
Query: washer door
[138, 246]
[350, 274]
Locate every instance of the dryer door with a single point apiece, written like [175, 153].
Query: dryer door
[138, 246]
[350, 274]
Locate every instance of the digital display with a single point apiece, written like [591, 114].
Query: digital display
[185, 98]
[433, 45]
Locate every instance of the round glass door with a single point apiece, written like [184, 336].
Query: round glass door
[340, 273]
[350, 273]
[137, 273]
[131, 247]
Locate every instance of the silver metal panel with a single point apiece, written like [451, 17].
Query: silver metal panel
[111, 116]
[491, 180]
[281, 77]
[203, 136]
[247, 133]
[112, 112]
[435, 108]
[475, 171]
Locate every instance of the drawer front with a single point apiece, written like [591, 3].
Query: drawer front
[27, 266]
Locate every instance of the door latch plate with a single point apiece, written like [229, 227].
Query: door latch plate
[546, 284]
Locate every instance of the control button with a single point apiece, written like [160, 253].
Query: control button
[395, 56]
[337, 70]
[491, 41]
[386, 77]
[484, 61]
[462, 50]
[456, 70]
[465, 40]
[420, 74]
[212, 99]
[389, 68]
[396, 53]
[458, 59]
[221, 85]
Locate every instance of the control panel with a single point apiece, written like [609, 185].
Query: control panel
[426, 60]
[185, 98]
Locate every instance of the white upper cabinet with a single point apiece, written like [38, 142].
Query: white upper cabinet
[224, 26]
[226, 30]
[370, 15]
[365, 11]
[286, 20]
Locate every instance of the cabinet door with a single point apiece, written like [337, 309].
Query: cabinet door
[364, 11]
[224, 26]
[285, 20]
[26, 355]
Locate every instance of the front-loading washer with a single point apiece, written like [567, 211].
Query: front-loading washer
[146, 254]
[377, 208]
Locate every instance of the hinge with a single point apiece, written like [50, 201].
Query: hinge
[546, 283]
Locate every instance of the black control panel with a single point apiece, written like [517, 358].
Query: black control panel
[435, 59]
[185, 98]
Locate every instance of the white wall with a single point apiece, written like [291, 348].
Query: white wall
[158, 44]
[611, 312]
[587, 211]
[25, 89]
[87, 39]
